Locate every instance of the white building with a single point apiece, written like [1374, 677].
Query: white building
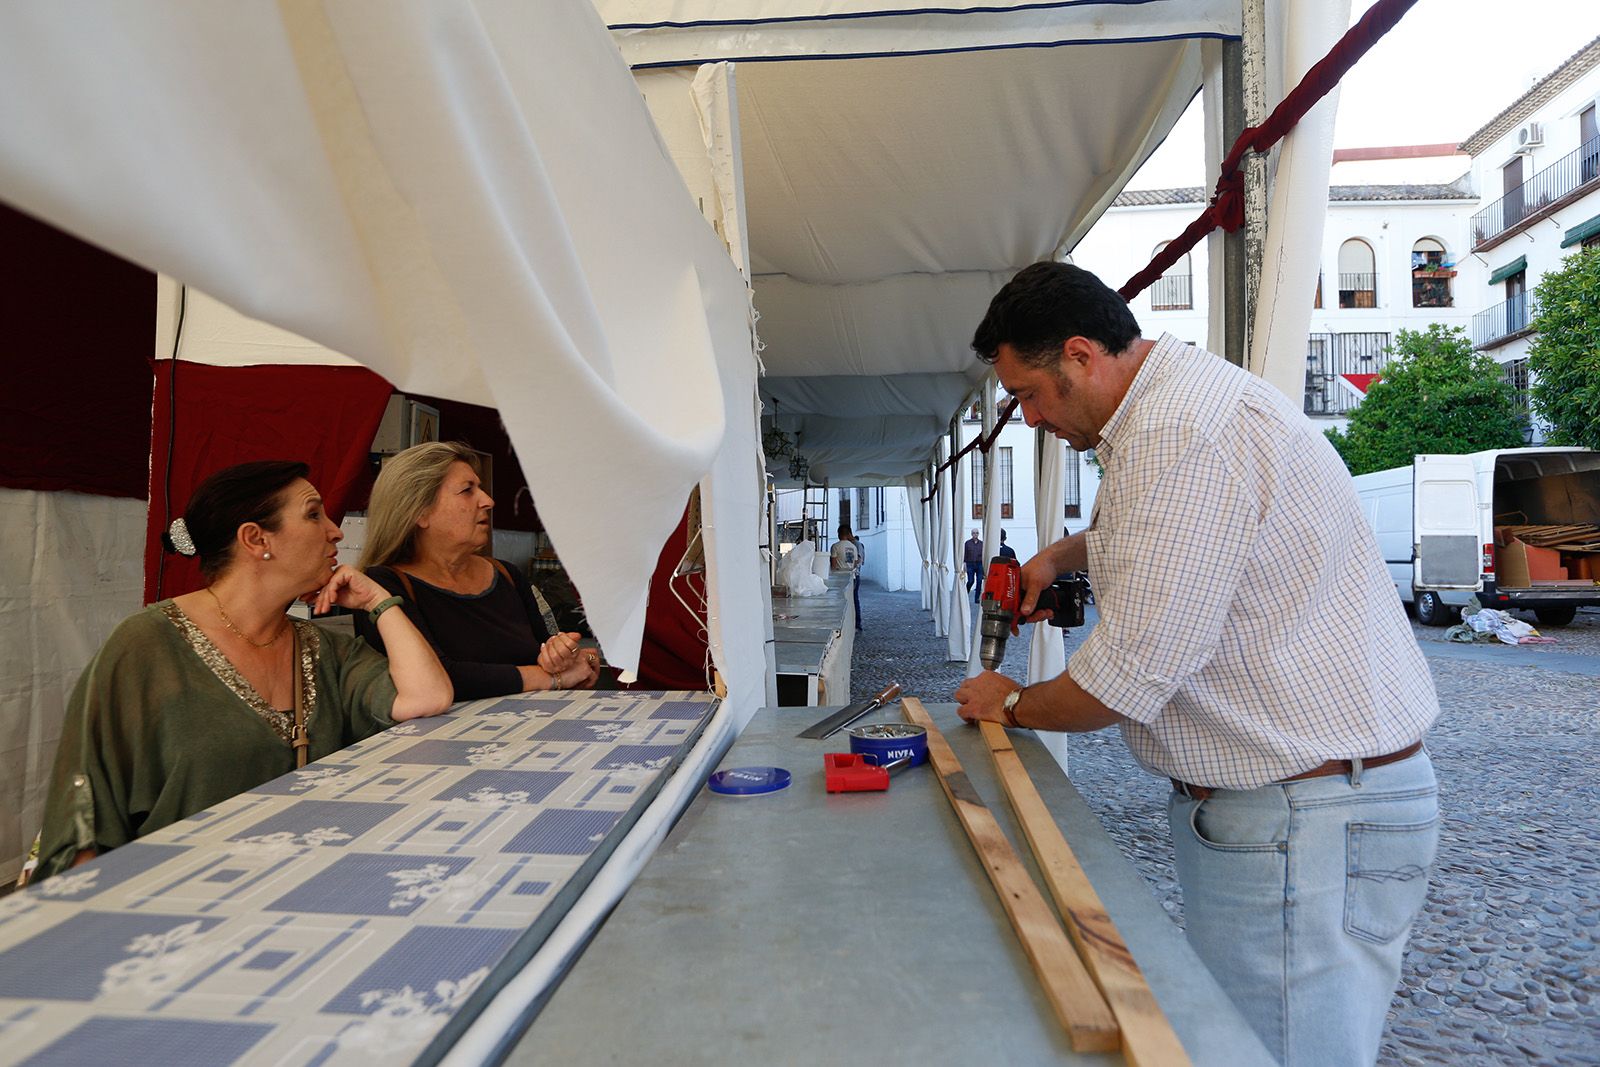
[1537, 165]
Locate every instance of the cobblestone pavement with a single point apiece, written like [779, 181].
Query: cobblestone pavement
[1503, 965]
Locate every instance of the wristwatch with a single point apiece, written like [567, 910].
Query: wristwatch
[1009, 705]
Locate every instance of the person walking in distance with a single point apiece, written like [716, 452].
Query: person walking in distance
[848, 555]
[973, 556]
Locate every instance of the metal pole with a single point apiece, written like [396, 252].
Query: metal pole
[1244, 96]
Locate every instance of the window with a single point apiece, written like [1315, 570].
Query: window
[1003, 472]
[864, 507]
[1517, 301]
[1512, 211]
[1592, 241]
[1516, 373]
[1431, 272]
[1172, 291]
[1358, 275]
[1317, 303]
[1074, 492]
[1589, 140]
[881, 513]
[977, 485]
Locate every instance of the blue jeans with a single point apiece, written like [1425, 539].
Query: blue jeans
[1299, 897]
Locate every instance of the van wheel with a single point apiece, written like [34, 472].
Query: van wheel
[1431, 611]
[1554, 616]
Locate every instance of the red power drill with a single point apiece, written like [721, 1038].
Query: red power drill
[1002, 604]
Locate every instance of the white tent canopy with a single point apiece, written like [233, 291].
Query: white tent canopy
[890, 197]
[394, 184]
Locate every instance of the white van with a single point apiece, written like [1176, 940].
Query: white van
[1436, 525]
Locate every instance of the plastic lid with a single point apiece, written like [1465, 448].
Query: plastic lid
[749, 781]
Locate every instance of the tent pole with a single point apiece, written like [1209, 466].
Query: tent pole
[1244, 104]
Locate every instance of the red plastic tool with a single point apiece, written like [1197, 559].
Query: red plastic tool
[851, 772]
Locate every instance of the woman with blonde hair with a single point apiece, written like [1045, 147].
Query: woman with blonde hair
[199, 698]
[427, 525]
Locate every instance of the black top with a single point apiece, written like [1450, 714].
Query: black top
[481, 639]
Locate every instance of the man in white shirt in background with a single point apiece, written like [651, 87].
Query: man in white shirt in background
[1226, 530]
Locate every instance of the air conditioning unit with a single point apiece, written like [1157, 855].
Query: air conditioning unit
[1530, 135]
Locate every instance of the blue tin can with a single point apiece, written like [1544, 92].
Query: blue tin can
[885, 742]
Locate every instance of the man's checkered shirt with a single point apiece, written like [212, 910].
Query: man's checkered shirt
[1248, 628]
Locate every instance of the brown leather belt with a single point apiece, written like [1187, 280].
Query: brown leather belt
[1333, 766]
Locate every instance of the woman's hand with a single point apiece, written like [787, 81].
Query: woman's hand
[559, 654]
[347, 588]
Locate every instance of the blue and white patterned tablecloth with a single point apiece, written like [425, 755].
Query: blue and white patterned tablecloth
[361, 908]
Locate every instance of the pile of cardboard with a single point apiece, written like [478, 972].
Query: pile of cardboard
[1547, 555]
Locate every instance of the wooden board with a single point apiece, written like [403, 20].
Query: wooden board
[1147, 1037]
[1076, 1000]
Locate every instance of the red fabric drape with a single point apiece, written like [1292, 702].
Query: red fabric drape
[324, 416]
[674, 652]
[75, 336]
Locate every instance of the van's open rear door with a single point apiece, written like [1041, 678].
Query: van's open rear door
[1444, 523]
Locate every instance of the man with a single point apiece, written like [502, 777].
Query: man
[1225, 533]
[974, 561]
[1006, 550]
[848, 555]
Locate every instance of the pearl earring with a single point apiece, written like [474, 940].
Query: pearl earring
[266, 555]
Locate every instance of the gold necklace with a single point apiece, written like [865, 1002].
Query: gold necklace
[229, 624]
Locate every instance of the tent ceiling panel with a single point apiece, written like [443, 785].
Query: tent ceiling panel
[916, 323]
[855, 396]
[679, 32]
[861, 170]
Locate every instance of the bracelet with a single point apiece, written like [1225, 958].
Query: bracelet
[555, 681]
[384, 605]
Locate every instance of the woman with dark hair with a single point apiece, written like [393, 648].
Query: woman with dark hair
[196, 699]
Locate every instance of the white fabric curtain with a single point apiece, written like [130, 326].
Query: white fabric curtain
[1047, 655]
[991, 509]
[941, 544]
[919, 526]
[74, 568]
[415, 185]
[958, 609]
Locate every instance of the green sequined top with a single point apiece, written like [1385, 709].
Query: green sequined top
[161, 726]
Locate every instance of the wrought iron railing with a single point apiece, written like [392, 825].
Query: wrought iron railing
[1358, 291]
[1330, 355]
[1566, 175]
[1505, 319]
[1174, 292]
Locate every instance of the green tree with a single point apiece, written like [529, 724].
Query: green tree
[1436, 395]
[1564, 357]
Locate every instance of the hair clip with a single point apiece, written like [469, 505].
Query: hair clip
[178, 534]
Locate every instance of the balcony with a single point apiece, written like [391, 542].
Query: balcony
[1330, 356]
[1358, 291]
[1504, 322]
[1573, 175]
[1172, 292]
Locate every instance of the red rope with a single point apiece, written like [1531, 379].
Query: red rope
[1227, 202]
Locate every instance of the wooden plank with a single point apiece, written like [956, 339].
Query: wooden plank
[1147, 1037]
[1073, 995]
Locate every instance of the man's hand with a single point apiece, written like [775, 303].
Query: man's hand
[979, 699]
[1037, 573]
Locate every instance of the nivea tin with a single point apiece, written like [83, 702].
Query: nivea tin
[885, 742]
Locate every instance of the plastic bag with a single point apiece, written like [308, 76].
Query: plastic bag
[794, 571]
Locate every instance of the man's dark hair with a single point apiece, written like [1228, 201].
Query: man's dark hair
[248, 492]
[844, 530]
[1045, 304]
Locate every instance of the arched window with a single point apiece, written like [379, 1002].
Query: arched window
[1172, 291]
[1431, 271]
[1358, 275]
